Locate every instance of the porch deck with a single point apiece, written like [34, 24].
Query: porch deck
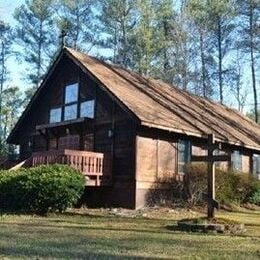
[96, 167]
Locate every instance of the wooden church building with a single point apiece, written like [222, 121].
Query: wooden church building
[129, 135]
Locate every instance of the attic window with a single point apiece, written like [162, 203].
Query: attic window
[70, 112]
[55, 115]
[87, 109]
[71, 93]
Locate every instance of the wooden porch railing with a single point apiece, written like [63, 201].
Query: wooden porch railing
[96, 167]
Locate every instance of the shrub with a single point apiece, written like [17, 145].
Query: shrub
[235, 187]
[231, 187]
[196, 183]
[227, 186]
[254, 196]
[42, 189]
[11, 196]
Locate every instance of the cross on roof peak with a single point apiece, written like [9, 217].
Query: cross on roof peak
[62, 37]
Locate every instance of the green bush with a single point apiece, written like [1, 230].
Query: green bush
[195, 183]
[254, 196]
[227, 186]
[231, 187]
[42, 189]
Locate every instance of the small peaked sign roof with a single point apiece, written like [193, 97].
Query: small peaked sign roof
[160, 105]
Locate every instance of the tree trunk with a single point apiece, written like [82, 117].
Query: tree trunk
[39, 55]
[220, 61]
[252, 59]
[2, 86]
[124, 49]
[75, 44]
[203, 69]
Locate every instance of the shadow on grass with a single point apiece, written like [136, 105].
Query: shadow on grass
[173, 228]
[34, 253]
[168, 229]
[34, 241]
[232, 212]
[86, 227]
[77, 214]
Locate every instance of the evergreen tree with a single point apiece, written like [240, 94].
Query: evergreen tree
[165, 24]
[240, 93]
[214, 23]
[199, 16]
[249, 41]
[221, 17]
[11, 108]
[35, 33]
[144, 38]
[5, 52]
[118, 20]
[76, 18]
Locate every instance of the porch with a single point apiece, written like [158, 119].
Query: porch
[96, 167]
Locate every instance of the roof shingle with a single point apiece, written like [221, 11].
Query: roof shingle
[163, 106]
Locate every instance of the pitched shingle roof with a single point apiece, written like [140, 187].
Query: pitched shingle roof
[163, 106]
[160, 105]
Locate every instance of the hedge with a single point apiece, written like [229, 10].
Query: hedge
[231, 187]
[41, 189]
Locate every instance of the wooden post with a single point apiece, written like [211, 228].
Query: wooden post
[211, 159]
[211, 176]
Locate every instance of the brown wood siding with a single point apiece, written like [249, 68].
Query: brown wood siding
[155, 161]
[111, 131]
[114, 134]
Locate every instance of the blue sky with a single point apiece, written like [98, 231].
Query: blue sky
[7, 7]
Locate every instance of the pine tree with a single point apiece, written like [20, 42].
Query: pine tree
[198, 14]
[221, 14]
[164, 66]
[214, 22]
[240, 93]
[5, 52]
[249, 40]
[144, 38]
[76, 17]
[11, 108]
[118, 20]
[35, 33]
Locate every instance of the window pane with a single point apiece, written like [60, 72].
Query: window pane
[70, 112]
[55, 115]
[256, 165]
[184, 150]
[236, 161]
[71, 93]
[87, 109]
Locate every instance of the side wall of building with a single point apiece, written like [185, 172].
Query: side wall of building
[157, 165]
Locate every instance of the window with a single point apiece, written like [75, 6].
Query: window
[71, 93]
[256, 165]
[236, 161]
[184, 154]
[70, 112]
[55, 115]
[87, 109]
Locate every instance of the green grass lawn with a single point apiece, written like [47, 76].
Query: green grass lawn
[103, 235]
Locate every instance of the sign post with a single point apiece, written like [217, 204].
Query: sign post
[211, 159]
